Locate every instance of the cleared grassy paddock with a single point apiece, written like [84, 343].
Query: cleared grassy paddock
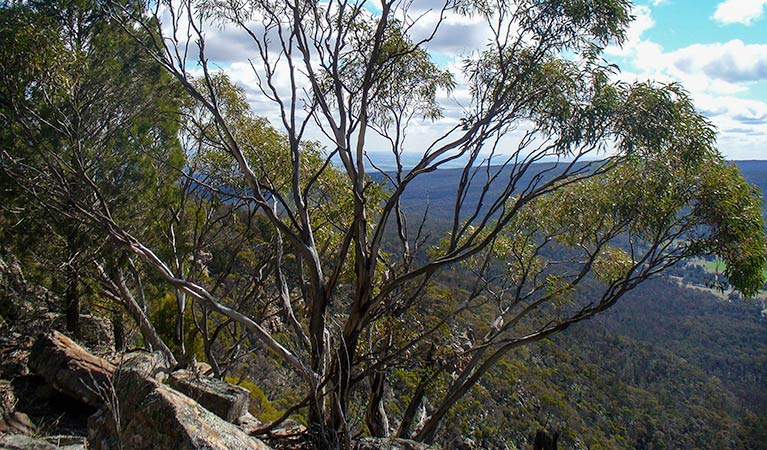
[716, 266]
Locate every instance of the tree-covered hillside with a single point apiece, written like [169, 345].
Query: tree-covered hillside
[670, 366]
[754, 172]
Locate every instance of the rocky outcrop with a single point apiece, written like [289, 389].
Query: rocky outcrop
[12, 421]
[136, 410]
[150, 415]
[8, 398]
[68, 442]
[71, 369]
[23, 442]
[19, 300]
[16, 422]
[155, 364]
[226, 400]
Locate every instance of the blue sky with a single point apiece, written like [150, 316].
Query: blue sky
[717, 49]
[680, 23]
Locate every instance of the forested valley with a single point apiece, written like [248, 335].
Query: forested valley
[679, 363]
[572, 263]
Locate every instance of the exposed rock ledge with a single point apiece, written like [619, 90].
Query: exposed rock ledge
[136, 410]
[151, 415]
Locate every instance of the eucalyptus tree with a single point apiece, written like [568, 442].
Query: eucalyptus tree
[213, 220]
[89, 125]
[637, 186]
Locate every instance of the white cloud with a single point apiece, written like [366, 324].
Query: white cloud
[713, 74]
[456, 36]
[723, 68]
[731, 62]
[719, 68]
[733, 110]
[742, 124]
[739, 11]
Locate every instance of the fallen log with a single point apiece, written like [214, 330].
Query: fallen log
[71, 369]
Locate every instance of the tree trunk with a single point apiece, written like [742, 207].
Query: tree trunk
[122, 295]
[375, 418]
[151, 337]
[344, 358]
[412, 408]
[72, 297]
[118, 329]
[181, 308]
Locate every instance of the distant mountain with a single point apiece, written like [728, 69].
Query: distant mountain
[439, 188]
[756, 174]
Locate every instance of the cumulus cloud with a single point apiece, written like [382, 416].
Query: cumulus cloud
[744, 12]
[746, 131]
[723, 64]
[456, 39]
[713, 74]
[751, 117]
[724, 68]
[733, 61]
[230, 44]
[737, 109]
[742, 124]
[456, 36]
